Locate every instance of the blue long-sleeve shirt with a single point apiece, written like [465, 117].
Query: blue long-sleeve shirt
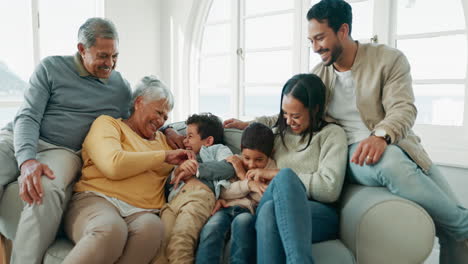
[61, 102]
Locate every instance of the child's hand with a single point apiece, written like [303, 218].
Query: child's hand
[185, 171]
[219, 204]
[257, 187]
[190, 166]
[261, 175]
[238, 166]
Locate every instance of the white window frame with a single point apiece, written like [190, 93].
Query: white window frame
[238, 31]
[446, 145]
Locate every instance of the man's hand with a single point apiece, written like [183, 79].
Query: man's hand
[238, 166]
[262, 175]
[174, 139]
[177, 156]
[30, 186]
[257, 187]
[369, 150]
[235, 123]
[219, 204]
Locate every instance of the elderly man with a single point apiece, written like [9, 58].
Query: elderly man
[64, 96]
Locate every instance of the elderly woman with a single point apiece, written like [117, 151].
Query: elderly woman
[113, 216]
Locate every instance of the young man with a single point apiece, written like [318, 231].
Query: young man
[383, 149]
[190, 203]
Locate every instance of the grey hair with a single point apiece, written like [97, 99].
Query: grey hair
[152, 89]
[96, 27]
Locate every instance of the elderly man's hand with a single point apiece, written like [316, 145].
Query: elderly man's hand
[174, 139]
[177, 156]
[235, 123]
[30, 186]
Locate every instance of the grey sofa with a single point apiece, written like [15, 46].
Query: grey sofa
[375, 226]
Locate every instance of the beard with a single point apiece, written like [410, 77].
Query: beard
[336, 52]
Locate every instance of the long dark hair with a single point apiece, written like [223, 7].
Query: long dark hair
[310, 91]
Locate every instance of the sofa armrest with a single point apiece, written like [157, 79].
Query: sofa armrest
[379, 227]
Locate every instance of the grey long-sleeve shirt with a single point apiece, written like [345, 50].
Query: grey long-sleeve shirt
[61, 102]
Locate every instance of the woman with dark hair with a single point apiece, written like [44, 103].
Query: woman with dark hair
[297, 208]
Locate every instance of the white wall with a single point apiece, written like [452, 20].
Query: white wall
[138, 24]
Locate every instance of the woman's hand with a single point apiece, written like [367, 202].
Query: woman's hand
[235, 123]
[238, 166]
[174, 139]
[262, 175]
[176, 157]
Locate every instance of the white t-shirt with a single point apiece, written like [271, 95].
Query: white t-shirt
[343, 108]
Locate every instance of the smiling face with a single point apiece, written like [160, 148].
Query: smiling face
[325, 41]
[254, 159]
[193, 140]
[295, 114]
[148, 117]
[101, 58]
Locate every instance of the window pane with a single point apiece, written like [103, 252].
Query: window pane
[216, 101]
[220, 10]
[6, 114]
[268, 67]
[16, 48]
[216, 38]
[262, 100]
[269, 31]
[417, 16]
[215, 85]
[434, 60]
[314, 59]
[59, 28]
[262, 6]
[440, 104]
[215, 71]
[363, 13]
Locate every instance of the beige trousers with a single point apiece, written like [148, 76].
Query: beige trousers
[102, 236]
[38, 224]
[183, 220]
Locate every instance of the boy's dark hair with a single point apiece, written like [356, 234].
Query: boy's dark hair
[208, 125]
[335, 12]
[259, 137]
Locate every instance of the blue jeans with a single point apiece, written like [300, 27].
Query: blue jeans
[288, 223]
[402, 176]
[213, 236]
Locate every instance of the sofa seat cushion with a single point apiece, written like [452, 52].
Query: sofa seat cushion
[328, 252]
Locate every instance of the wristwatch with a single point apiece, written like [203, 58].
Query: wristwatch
[381, 133]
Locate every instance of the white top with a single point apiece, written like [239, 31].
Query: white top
[124, 208]
[344, 110]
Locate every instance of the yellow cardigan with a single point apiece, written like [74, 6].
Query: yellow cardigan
[119, 163]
